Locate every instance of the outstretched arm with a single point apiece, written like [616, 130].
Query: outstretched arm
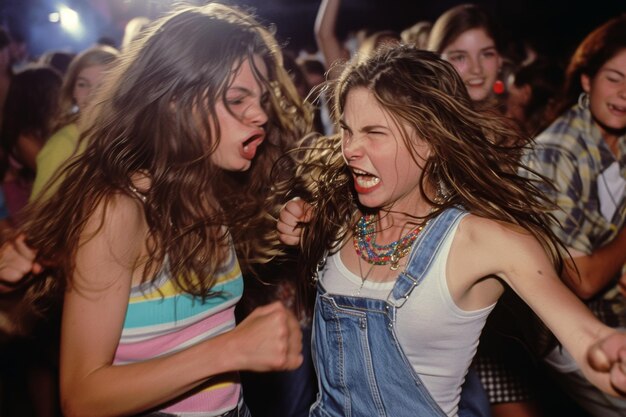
[518, 258]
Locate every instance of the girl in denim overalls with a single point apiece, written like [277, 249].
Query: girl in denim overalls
[419, 221]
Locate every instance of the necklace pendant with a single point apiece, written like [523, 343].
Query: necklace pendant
[394, 262]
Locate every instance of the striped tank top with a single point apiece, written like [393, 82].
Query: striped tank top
[162, 320]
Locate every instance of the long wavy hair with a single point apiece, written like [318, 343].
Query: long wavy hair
[473, 162]
[152, 118]
[100, 55]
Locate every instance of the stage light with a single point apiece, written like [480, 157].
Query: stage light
[54, 17]
[69, 20]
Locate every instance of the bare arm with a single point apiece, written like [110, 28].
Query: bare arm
[93, 316]
[518, 258]
[596, 269]
[325, 35]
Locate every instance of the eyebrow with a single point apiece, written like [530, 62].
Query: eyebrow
[246, 90]
[367, 128]
[239, 89]
[464, 51]
[618, 72]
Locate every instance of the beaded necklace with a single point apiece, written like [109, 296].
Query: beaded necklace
[364, 239]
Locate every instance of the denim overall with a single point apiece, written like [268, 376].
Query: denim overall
[361, 367]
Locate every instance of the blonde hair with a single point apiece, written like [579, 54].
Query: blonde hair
[97, 55]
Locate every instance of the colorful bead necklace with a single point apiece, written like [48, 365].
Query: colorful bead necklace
[364, 239]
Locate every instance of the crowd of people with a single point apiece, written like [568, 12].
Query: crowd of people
[204, 222]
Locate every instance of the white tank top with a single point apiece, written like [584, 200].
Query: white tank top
[438, 338]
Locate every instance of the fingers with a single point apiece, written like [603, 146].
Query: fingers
[618, 374]
[292, 214]
[272, 338]
[294, 351]
[598, 358]
[17, 260]
[28, 253]
[609, 355]
[621, 285]
[288, 332]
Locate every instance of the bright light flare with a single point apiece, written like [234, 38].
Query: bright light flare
[54, 17]
[69, 20]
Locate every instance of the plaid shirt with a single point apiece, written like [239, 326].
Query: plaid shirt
[572, 154]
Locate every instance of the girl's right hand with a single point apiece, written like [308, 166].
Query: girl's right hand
[292, 215]
[17, 260]
[269, 339]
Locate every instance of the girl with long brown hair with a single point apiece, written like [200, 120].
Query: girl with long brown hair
[148, 227]
[418, 223]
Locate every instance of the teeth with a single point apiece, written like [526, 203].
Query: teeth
[359, 172]
[617, 107]
[474, 82]
[245, 148]
[367, 182]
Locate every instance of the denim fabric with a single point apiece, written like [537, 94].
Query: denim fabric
[362, 370]
[282, 394]
[474, 399]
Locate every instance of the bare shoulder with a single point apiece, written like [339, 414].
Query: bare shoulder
[117, 212]
[112, 242]
[493, 237]
[503, 248]
[474, 229]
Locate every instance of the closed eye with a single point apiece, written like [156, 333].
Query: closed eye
[456, 58]
[234, 101]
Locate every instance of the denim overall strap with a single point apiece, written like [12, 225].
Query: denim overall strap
[474, 401]
[362, 370]
[422, 255]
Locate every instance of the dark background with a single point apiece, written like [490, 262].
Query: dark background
[553, 27]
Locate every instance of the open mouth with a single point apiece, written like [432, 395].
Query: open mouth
[476, 82]
[363, 179]
[250, 146]
[618, 109]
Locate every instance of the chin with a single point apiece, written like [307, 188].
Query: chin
[236, 167]
[369, 203]
[479, 96]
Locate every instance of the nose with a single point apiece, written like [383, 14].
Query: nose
[351, 147]
[474, 66]
[622, 91]
[256, 115]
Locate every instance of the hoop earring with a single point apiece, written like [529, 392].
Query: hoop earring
[583, 100]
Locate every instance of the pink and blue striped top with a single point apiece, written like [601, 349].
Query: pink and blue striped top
[162, 320]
